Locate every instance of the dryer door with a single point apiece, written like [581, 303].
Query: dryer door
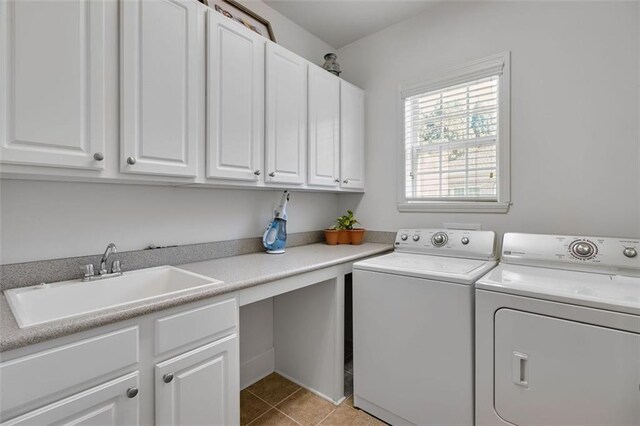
[557, 372]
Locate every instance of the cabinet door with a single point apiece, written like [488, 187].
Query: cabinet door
[324, 128]
[52, 66]
[161, 49]
[351, 137]
[200, 387]
[550, 371]
[235, 99]
[286, 116]
[112, 403]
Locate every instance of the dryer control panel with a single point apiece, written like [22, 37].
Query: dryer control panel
[447, 242]
[571, 251]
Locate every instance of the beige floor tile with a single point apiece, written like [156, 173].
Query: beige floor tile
[306, 408]
[342, 416]
[251, 407]
[364, 419]
[273, 418]
[348, 401]
[273, 388]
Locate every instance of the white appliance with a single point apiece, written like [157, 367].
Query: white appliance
[558, 333]
[413, 326]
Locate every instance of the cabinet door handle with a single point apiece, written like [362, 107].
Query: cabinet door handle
[98, 156]
[167, 378]
[272, 174]
[520, 369]
[132, 392]
[336, 180]
[257, 173]
[131, 161]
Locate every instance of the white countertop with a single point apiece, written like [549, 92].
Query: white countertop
[237, 272]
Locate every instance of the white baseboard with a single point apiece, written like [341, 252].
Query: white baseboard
[257, 368]
[312, 390]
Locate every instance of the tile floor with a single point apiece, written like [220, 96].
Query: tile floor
[275, 400]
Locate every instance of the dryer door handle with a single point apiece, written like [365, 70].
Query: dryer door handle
[520, 369]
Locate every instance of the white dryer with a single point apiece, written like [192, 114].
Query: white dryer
[558, 333]
[413, 326]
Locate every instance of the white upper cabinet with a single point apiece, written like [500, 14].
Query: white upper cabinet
[351, 136]
[286, 116]
[235, 100]
[324, 128]
[200, 387]
[161, 50]
[52, 95]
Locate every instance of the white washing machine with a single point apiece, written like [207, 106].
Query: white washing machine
[413, 326]
[558, 333]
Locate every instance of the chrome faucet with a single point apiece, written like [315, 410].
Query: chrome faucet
[111, 248]
[116, 269]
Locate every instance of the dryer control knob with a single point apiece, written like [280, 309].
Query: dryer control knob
[416, 237]
[465, 240]
[404, 237]
[439, 239]
[630, 252]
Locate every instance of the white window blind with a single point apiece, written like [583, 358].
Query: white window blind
[450, 137]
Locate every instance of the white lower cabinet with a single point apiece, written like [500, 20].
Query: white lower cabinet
[112, 403]
[200, 387]
[141, 372]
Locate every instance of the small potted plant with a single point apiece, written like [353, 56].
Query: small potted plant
[356, 235]
[331, 235]
[348, 234]
[342, 225]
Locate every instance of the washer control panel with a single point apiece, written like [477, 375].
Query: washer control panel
[447, 242]
[572, 251]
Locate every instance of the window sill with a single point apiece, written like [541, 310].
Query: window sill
[454, 207]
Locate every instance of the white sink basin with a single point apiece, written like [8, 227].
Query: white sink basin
[50, 302]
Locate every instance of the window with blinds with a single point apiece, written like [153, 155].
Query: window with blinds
[450, 138]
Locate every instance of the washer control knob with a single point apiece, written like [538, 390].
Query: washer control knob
[416, 237]
[404, 237]
[439, 239]
[465, 240]
[583, 249]
[630, 252]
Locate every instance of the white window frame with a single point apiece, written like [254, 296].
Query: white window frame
[490, 66]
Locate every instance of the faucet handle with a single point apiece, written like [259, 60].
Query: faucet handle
[88, 270]
[116, 267]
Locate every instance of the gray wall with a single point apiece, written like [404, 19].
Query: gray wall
[44, 220]
[574, 108]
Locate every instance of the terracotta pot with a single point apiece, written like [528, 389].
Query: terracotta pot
[356, 235]
[344, 236]
[331, 236]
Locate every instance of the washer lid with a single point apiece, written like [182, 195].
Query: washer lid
[612, 292]
[451, 269]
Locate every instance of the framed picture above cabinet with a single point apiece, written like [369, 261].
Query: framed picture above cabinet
[243, 15]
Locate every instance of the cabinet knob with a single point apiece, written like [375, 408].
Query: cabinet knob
[336, 180]
[345, 181]
[272, 174]
[131, 160]
[98, 156]
[167, 378]
[132, 392]
[257, 173]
